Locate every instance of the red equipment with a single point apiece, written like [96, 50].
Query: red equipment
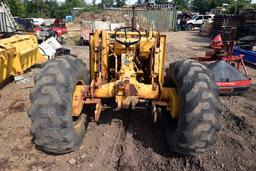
[59, 26]
[56, 30]
[217, 42]
[227, 67]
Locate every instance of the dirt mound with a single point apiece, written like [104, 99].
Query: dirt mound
[105, 16]
[114, 17]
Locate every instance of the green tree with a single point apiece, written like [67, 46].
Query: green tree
[40, 8]
[70, 4]
[204, 6]
[74, 3]
[120, 3]
[160, 1]
[17, 7]
[108, 3]
[238, 5]
[183, 4]
[54, 9]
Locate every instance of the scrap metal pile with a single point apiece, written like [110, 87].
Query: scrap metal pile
[245, 23]
[221, 21]
[246, 33]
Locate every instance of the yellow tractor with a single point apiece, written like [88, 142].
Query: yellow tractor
[126, 70]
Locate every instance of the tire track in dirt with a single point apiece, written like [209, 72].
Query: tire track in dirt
[241, 121]
[103, 143]
[145, 148]
[236, 143]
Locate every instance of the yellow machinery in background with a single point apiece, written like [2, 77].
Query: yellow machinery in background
[17, 54]
[126, 72]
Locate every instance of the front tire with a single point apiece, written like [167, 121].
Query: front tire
[53, 129]
[190, 27]
[196, 128]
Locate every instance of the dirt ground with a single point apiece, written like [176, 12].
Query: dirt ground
[128, 141]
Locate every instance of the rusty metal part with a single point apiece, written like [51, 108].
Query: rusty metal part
[119, 103]
[133, 18]
[97, 112]
[128, 74]
[157, 109]
[98, 107]
[143, 91]
[130, 101]
[154, 113]
[92, 88]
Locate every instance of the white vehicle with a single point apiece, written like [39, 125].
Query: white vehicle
[38, 21]
[198, 20]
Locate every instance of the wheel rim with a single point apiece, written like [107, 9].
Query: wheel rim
[189, 27]
[170, 94]
[77, 100]
[77, 106]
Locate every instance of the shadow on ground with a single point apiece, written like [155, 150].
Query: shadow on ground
[140, 125]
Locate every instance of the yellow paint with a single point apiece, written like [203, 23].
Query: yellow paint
[126, 76]
[146, 44]
[77, 102]
[104, 61]
[105, 91]
[171, 96]
[162, 55]
[17, 54]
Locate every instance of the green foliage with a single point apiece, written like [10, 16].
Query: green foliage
[108, 2]
[183, 4]
[160, 1]
[49, 8]
[120, 3]
[69, 4]
[17, 7]
[206, 5]
[240, 5]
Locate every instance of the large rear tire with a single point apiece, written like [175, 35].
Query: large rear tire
[53, 128]
[196, 128]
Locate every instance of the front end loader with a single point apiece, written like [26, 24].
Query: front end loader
[126, 71]
[18, 51]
